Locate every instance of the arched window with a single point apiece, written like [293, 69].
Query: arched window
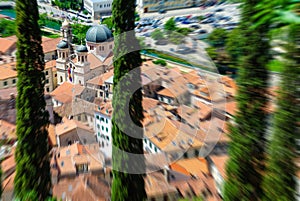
[61, 79]
[63, 55]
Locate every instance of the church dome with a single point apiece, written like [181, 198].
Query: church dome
[98, 34]
[62, 44]
[81, 48]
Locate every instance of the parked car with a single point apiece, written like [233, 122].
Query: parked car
[161, 11]
[219, 10]
[195, 26]
[186, 22]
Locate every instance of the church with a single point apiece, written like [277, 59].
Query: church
[79, 63]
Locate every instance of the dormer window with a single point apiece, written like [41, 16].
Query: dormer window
[81, 168]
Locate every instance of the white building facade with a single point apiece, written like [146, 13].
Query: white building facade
[98, 8]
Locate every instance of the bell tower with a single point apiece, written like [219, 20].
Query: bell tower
[66, 34]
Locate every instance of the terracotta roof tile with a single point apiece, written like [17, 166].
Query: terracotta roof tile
[8, 70]
[49, 44]
[68, 125]
[6, 44]
[65, 92]
[220, 162]
[105, 108]
[99, 80]
[149, 103]
[7, 130]
[192, 166]
[50, 64]
[156, 185]
[167, 137]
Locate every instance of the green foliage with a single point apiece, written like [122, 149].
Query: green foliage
[126, 186]
[278, 13]
[218, 37]
[69, 4]
[108, 22]
[49, 35]
[79, 33]
[191, 199]
[235, 45]
[7, 28]
[157, 34]
[142, 43]
[32, 152]
[176, 38]
[48, 22]
[160, 62]
[85, 12]
[280, 165]
[170, 25]
[275, 65]
[184, 31]
[247, 147]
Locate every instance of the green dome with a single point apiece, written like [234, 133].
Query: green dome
[98, 34]
[81, 48]
[62, 44]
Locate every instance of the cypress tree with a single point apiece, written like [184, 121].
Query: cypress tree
[246, 149]
[279, 180]
[127, 155]
[33, 169]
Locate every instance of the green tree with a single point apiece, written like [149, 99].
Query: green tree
[157, 34]
[170, 25]
[184, 31]
[280, 165]
[32, 152]
[176, 38]
[234, 45]
[127, 150]
[79, 32]
[247, 147]
[7, 28]
[218, 37]
[108, 22]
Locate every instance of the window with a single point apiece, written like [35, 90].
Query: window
[150, 145]
[14, 81]
[106, 129]
[106, 120]
[98, 134]
[61, 79]
[47, 89]
[155, 149]
[81, 168]
[185, 155]
[145, 140]
[98, 126]
[5, 83]
[102, 127]
[46, 72]
[47, 81]
[97, 117]
[107, 137]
